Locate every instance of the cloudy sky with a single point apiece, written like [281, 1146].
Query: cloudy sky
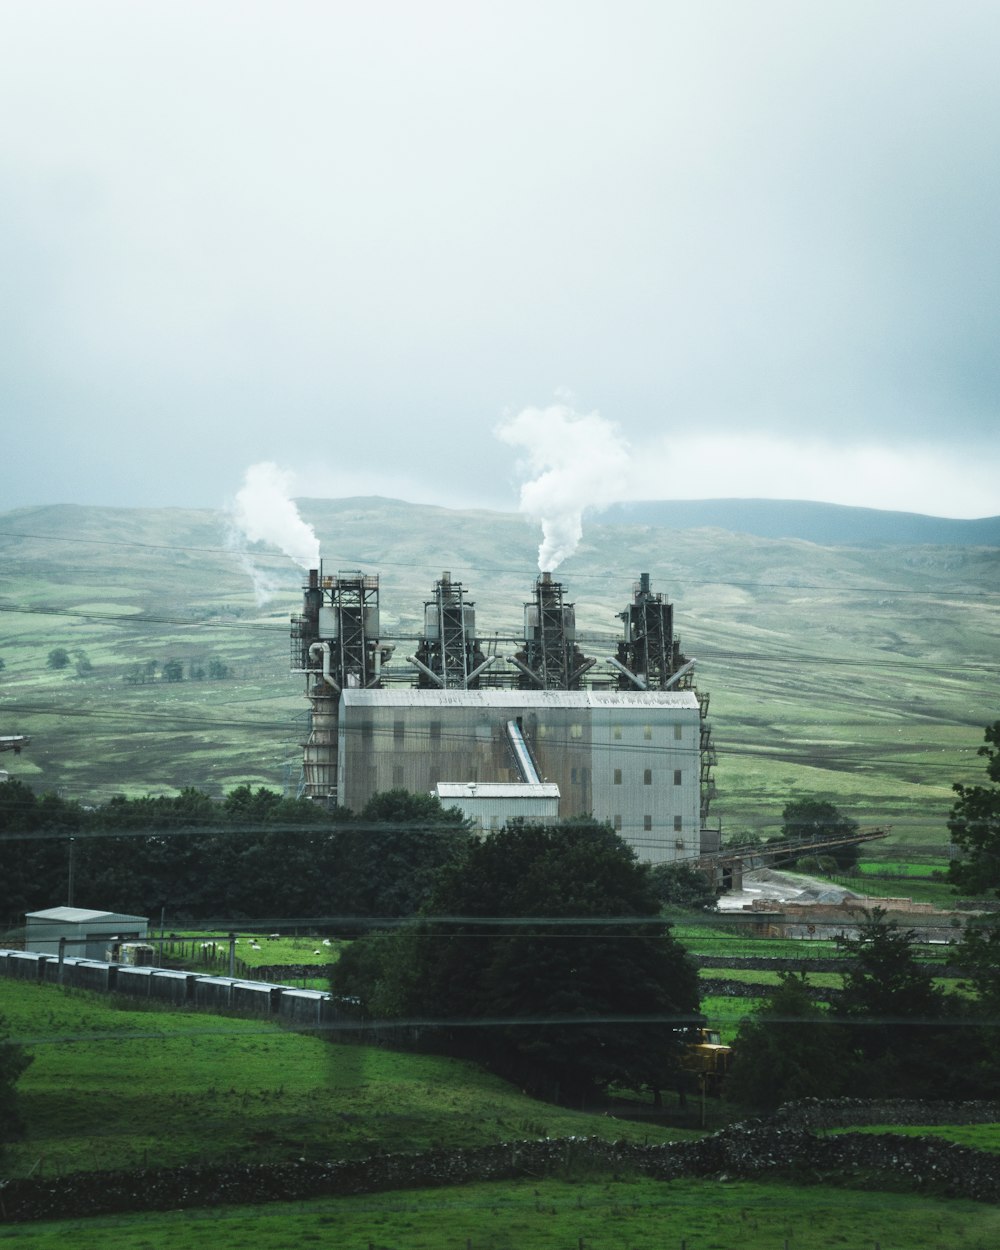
[724, 248]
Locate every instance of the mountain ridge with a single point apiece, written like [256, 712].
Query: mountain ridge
[826, 524]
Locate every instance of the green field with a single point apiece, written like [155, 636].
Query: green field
[607, 1214]
[115, 1085]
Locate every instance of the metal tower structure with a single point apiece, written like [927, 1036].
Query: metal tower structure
[649, 656]
[550, 658]
[335, 641]
[449, 655]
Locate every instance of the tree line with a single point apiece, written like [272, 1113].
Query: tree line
[192, 859]
[539, 950]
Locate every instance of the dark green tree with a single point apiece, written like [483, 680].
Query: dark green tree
[545, 942]
[389, 858]
[789, 1048]
[14, 1060]
[975, 825]
[902, 1025]
[35, 863]
[817, 820]
[978, 958]
[57, 658]
[680, 885]
[172, 670]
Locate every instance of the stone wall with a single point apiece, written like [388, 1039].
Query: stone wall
[751, 1150]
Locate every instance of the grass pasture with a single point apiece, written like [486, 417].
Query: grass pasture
[113, 1085]
[595, 1213]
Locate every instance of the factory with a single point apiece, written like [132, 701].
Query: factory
[523, 725]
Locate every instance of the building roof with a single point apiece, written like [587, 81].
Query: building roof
[77, 915]
[407, 696]
[496, 790]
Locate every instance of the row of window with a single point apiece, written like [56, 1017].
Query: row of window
[647, 824]
[647, 777]
[433, 731]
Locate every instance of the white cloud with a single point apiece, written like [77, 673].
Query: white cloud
[936, 480]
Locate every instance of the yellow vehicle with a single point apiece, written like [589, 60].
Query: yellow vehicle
[708, 1060]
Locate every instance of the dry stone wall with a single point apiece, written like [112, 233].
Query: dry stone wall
[751, 1150]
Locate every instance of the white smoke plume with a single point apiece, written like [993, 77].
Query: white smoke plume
[263, 511]
[576, 461]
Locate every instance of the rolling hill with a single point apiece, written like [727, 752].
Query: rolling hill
[861, 673]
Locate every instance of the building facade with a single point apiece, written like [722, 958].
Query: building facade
[629, 758]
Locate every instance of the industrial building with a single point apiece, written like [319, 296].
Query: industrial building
[504, 726]
[81, 932]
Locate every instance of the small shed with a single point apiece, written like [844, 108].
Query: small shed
[491, 804]
[88, 934]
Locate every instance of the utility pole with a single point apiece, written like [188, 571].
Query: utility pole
[72, 868]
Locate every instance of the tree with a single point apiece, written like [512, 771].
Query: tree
[83, 665]
[819, 821]
[789, 1048]
[896, 1013]
[388, 860]
[57, 658]
[545, 942]
[974, 824]
[978, 957]
[173, 670]
[14, 1060]
[680, 885]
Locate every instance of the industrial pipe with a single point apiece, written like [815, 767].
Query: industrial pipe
[628, 673]
[325, 648]
[684, 668]
[412, 659]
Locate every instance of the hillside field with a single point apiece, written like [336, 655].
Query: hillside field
[865, 676]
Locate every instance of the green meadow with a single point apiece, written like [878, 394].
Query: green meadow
[609, 1213]
[114, 1085]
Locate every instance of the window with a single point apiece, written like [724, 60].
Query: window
[647, 777]
[618, 776]
[435, 731]
[678, 824]
[398, 730]
[616, 733]
[647, 823]
[572, 775]
[367, 731]
[576, 731]
[678, 732]
[618, 823]
[678, 777]
[397, 774]
[647, 732]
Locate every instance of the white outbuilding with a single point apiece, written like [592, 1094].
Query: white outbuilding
[86, 934]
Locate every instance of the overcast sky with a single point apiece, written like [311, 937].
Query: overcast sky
[755, 244]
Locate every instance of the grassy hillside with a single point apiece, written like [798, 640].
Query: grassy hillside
[114, 1084]
[865, 676]
[121, 1087]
